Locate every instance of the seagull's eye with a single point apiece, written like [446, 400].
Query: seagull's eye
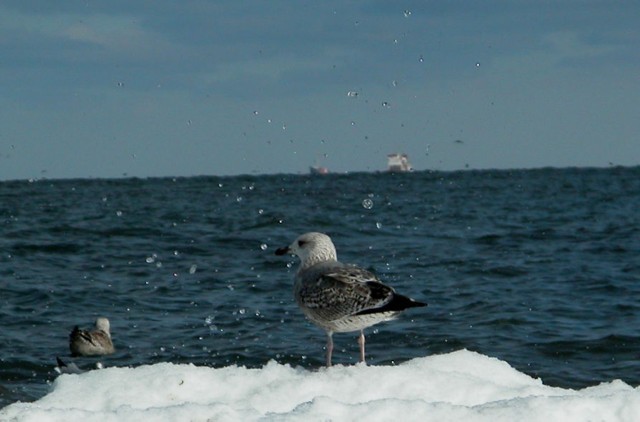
[301, 243]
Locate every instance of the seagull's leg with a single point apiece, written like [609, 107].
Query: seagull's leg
[361, 343]
[329, 347]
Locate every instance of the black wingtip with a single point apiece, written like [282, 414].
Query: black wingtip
[60, 363]
[282, 251]
[401, 302]
[397, 304]
[415, 304]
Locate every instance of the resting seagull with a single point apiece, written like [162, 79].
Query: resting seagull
[67, 368]
[71, 368]
[340, 298]
[92, 343]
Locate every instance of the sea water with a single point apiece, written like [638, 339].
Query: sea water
[537, 270]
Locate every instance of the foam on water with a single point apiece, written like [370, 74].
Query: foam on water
[462, 385]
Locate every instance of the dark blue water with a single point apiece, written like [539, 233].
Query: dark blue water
[539, 268]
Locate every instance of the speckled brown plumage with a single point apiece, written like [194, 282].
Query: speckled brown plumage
[339, 297]
[92, 343]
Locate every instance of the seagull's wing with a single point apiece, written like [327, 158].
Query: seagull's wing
[82, 335]
[100, 338]
[345, 290]
[64, 368]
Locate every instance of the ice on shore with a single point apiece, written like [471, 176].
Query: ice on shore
[463, 385]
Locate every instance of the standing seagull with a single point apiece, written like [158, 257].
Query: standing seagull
[91, 343]
[340, 298]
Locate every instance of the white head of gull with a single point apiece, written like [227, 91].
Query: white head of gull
[338, 297]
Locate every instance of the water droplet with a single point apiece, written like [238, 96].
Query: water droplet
[352, 94]
[242, 311]
[260, 211]
[386, 104]
[367, 203]
[264, 246]
[119, 213]
[150, 259]
[192, 269]
[239, 199]
[421, 59]
[407, 13]
[379, 225]
[477, 64]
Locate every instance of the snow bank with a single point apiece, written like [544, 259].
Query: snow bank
[458, 386]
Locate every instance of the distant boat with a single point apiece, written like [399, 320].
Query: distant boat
[398, 163]
[318, 170]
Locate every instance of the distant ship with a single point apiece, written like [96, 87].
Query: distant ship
[318, 170]
[398, 163]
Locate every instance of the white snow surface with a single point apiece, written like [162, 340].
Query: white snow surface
[459, 386]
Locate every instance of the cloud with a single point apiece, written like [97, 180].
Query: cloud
[117, 36]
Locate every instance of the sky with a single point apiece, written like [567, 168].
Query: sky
[122, 88]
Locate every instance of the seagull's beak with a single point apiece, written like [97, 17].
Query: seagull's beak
[283, 251]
